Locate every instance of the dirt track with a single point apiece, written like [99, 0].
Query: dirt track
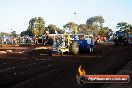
[38, 71]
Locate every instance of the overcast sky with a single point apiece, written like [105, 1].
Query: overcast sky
[15, 14]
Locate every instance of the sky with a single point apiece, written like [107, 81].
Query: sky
[16, 14]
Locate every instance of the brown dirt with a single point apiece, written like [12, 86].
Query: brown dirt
[42, 71]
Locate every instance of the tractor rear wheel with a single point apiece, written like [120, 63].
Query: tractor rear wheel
[75, 48]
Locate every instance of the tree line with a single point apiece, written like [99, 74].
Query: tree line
[95, 24]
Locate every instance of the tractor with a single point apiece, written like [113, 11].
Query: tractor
[121, 38]
[72, 43]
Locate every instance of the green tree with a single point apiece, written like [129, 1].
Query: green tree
[13, 34]
[95, 24]
[27, 32]
[122, 26]
[37, 26]
[96, 21]
[3, 34]
[72, 26]
[82, 28]
[32, 23]
[60, 31]
[105, 32]
[51, 28]
[129, 29]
